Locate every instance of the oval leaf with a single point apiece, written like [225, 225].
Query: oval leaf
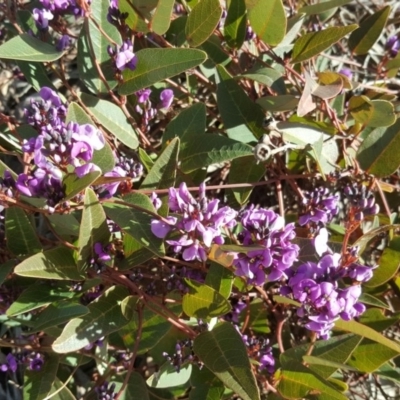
[27, 48]
[162, 16]
[235, 23]
[363, 38]
[202, 21]
[311, 44]
[379, 152]
[155, 65]
[223, 352]
[268, 20]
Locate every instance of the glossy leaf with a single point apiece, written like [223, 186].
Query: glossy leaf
[163, 173]
[93, 229]
[35, 74]
[365, 331]
[37, 296]
[210, 149]
[235, 23]
[135, 220]
[37, 384]
[375, 113]
[74, 185]
[223, 352]
[312, 44]
[203, 301]
[322, 7]
[25, 47]
[215, 52]
[58, 314]
[168, 376]
[363, 38]
[155, 65]
[57, 263]
[389, 264]
[286, 102]
[202, 21]
[378, 153]
[266, 76]
[104, 317]
[113, 119]
[244, 170]
[297, 381]
[220, 279]
[268, 20]
[242, 118]
[92, 49]
[189, 123]
[21, 236]
[162, 16]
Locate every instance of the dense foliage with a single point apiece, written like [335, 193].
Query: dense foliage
[199, 199]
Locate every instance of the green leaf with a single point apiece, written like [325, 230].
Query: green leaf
[374, 113]
[223, 352]
[362, 242]
[297, 381]
[215, 52]
[135, 221]
[209, 149]
[367, 332]
[266, 76]
[6, 269]
[57, 314]
[285, 102]
[37, 296]
[268, 20]
[257, 321]
[389, 264]
[367, 298]
[235, 23]
[35, 74]
[56, 263]
[163, 173]
[113, 119]
[162, 16]
[93, 229]
[64, 224]
[205, 392]
[27, 48]
[378, 153]
[322, 7]
[60, 392]
[244, 170]
[337, 349]
[189, 123]
[168, 376]
[74, 185]
[21, 236]
[202, 21]
[154, 326]
[155, 65]
[312, 44]
[76, 113]
[363, 38]
[37, 384]
[92, 50]
[203, 301]
[104, 317]
[241, 117]
[136, 388]
[220, 279]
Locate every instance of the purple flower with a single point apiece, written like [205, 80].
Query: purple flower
[42, 18]
[320, 207]
[36, 363]
[63, 43]
[199, 222]
[267, 229]
[101, 252]
[166, 98]
[124, 56]
[346, 72]
[143, 95]
[393, 45]
[10, 364]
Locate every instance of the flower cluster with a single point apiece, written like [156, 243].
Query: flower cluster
[33, 360]
[124, 168]
[57, 146]
[274, 251]
[106, 391]
[320, 207]
[322, 300]
[62, 7]
[183, 354]
[197, 222]
[361, 201]
[260, 350]
[115, 16]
